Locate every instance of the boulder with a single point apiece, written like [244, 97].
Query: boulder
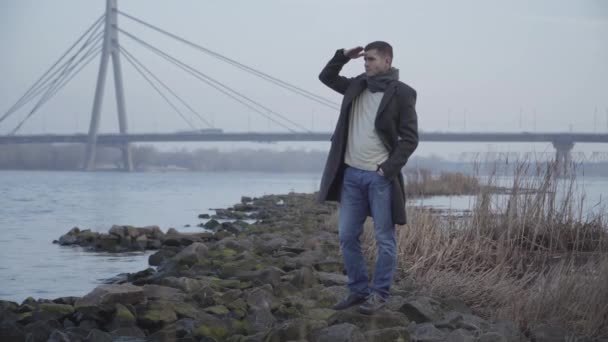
[380, 320]
[196, 252]
[421, 309]
[388, 334]
[262, 298]
[165, 293]
[344, 332]
[426, 332]
[304, 278]
[109, 295]
[293, 330]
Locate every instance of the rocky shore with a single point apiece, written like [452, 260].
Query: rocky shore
[271, 280]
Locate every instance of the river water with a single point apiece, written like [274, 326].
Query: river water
[37, 207]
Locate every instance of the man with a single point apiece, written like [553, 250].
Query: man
[376, 133]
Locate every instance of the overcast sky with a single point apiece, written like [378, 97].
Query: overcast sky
[477, 65]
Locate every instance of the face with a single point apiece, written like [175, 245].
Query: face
[376, 63]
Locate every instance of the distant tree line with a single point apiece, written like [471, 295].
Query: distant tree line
[146, 157]
[71, 157]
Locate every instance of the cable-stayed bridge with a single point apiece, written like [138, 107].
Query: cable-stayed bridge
[103, 40]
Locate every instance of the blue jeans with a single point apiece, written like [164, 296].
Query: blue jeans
[366, 193]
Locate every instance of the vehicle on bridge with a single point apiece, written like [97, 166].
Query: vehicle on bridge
[202, 131]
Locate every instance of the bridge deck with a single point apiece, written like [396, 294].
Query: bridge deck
[311, 136]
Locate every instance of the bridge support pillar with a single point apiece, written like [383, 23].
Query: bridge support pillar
[563, 157]
[110, 50]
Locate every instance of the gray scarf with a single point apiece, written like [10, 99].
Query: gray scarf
[380, 82]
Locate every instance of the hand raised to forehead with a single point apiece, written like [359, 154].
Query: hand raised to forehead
[355, 52]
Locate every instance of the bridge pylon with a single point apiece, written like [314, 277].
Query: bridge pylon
[110, 49]
[563, 157]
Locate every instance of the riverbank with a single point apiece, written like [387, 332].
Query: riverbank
[274, 280]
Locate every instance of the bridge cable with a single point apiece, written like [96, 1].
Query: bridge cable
[38, 86]
[65, 80]
[128, 58]
[65, 68]
[133, 58]
[61, 81]
[258, 73]
[216, 84]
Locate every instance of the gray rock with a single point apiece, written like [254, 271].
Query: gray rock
[548, 333]
[460, 335]
[262, 298]
[184, 327]
[344, 332]
[452, 321]
[395, 302]
[210, 327]
[329, 266]
[234, 244]
[108, 243]
[293, 330]
[158, 292]
[88, 324]
[67, 239]
[421, 309]
[122, 231]
[156, 315]
[11, 331]
[270, 275]
[127, 332]
[40, 330]
[52, 311]
[59, 336]
[327, 296]
[456, 304]
[99, 336]
[426, 332]
[70, 300]
[304, 278]
[212, 224]
[380, 320]
[388, 334]
[509, 330]
[188, 285]
[231, 228]
[159, 257]
[141, 242]
[123, 317]
[109, 295]
[259, 319]
[332, 279]
[77, 333]
[192, 254]
[269, 246]
[308, 258]
[153, 232]
[491, 337]
[474, 323]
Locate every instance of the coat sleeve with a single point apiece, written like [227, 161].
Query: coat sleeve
[407, 140]
[330, 75]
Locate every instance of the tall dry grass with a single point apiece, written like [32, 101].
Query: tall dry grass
[533, 256]
[421, 182]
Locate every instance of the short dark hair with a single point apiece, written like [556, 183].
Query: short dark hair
[383, 48]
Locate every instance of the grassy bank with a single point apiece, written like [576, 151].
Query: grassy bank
[532, 257]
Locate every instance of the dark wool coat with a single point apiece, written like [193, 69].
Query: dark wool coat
[396, 124]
